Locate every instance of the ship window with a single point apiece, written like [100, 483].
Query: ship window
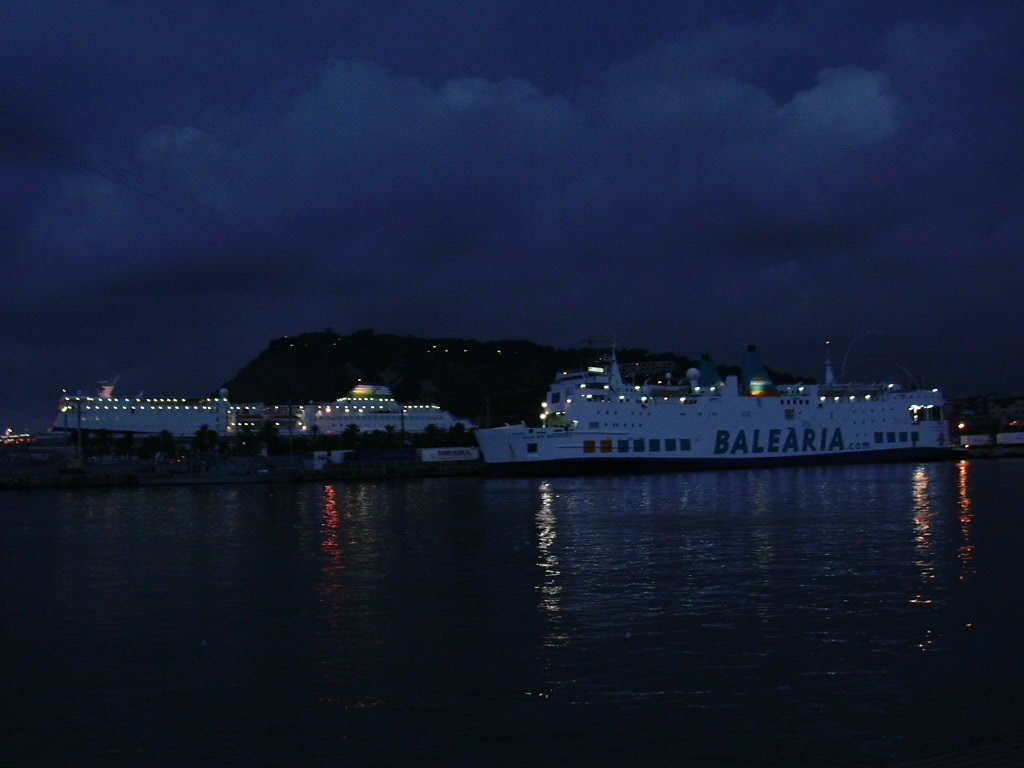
[655, 445]
[595, 424]
[890, 437]
[936, 413]
[913, 437]
[531, 447]
[606, 446]
[903, 437]
[588, 446]
[670, 444]
[879, 437]
[790, 414]
[638, 445]
[623, 446]
[684, 444]
[556, 396]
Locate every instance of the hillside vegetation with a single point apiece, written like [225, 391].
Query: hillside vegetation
[489, 382]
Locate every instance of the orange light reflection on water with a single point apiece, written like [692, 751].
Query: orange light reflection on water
[331, 523]
[331, 586]
[966, 551]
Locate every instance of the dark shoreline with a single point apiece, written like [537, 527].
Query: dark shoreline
[135, 476]
[114, 477]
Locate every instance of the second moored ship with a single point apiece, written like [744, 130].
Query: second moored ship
[367, 407]
[594, 422]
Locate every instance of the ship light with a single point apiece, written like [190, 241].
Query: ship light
[867, 397]
[961, 425]
[799, 389]
[935, 391]
[822, 398]
[837, 398]
[852, 398]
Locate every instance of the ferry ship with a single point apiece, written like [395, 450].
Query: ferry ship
[373, 407]
[367, 407]
[182, 417]
[592, 421]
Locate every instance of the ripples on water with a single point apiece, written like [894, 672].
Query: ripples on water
[818, 616]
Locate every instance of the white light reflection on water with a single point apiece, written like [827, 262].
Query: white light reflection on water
[764, 550]
[924, 546]
[550, 588]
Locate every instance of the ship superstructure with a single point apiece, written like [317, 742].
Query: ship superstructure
[595, 422]
[373, 407]
[368, 407]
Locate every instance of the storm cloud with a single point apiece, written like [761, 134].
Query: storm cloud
[172, 200]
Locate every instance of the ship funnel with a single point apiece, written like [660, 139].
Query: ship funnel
[708, 372]
[830, 371]
[106, 389]
[756, 380]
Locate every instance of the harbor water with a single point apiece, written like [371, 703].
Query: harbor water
[847, 616]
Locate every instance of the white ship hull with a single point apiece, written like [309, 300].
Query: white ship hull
[144, 416]
[607, 426]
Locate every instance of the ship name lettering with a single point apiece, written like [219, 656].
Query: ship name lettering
[756, 446]
[827, 440]
[791, 443]
[809, 440]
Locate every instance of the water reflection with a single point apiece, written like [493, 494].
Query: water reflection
[966, 551]
[763, 499]
[550, 587]
[924, 546]
[331, 543]
[330, 586]
[923, 535]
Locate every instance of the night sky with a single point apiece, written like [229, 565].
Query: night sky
[182, 182]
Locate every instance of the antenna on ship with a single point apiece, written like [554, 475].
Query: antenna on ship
[830, 371]
[842, 368]
[614, 374]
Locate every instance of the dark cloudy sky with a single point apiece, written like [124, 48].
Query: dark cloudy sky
[181, 182]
